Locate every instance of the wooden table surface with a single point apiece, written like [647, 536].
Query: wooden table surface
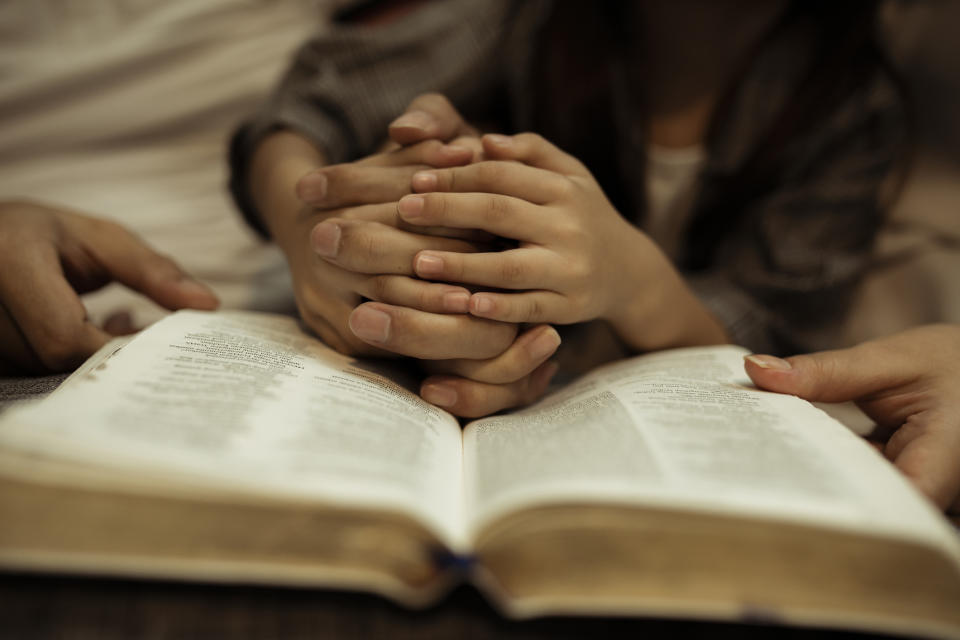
[57, 607]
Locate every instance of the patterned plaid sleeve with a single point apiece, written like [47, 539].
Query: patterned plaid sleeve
[785, 277]
[349, 82]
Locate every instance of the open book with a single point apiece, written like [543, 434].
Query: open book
[232, 447]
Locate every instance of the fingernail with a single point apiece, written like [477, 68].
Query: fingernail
[439, 394]
[544, 345]
[410, 207]
[370, 325]
[424, 181]
[481, 304]
[456, 302]
[312, 187]
[413, 120]
[769, 362]
[427, 265]
[499, 140]
[325, 239]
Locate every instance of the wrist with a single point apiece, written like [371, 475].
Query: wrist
[659, 311]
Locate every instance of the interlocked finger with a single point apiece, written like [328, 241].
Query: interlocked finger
[374, 248]
[472, 399]
[429, 336]
[528, 352]
[403, 291]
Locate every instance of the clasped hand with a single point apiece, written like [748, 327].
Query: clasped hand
[411, 230]
[351, 258]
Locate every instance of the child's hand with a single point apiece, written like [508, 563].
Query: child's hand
[907, 383]
[519, 375]
[516, 377]
[577, 259]
[48, 257]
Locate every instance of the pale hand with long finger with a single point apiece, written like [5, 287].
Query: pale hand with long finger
[576, 259]
[907, 383]
[50, 256]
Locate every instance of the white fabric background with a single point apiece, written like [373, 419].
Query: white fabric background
[122, 109]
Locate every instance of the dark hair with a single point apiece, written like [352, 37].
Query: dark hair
[573, 89]
[846, 58]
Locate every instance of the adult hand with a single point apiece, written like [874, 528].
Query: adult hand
[475, 372]
[519, 375]
[478, 368]
[576, 259]
[49, 257]
[907, 383]
[344, 245]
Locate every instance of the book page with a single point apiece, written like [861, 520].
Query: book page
[685, 429]
[248, 402]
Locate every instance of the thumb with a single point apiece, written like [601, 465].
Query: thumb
[826, 376]
[430, 116]
[134, 264]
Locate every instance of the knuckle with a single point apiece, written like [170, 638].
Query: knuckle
[580, 271]
[566, 232]
[489, 174]
[359, 246]
[447, 180]
[511, 270]
[436, 206]
[426, 298]
[564, 188]
[497, 209]
[454, 267]
[534, 311]
[380, 288]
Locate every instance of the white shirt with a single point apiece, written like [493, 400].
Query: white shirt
[671, 181]
[122, 109]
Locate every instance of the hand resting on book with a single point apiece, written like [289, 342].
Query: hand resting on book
[346, 244]
[49, 257]
[576, 259]
[907, 383]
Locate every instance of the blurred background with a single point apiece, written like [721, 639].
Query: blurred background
[919, 250]
[122, 109]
